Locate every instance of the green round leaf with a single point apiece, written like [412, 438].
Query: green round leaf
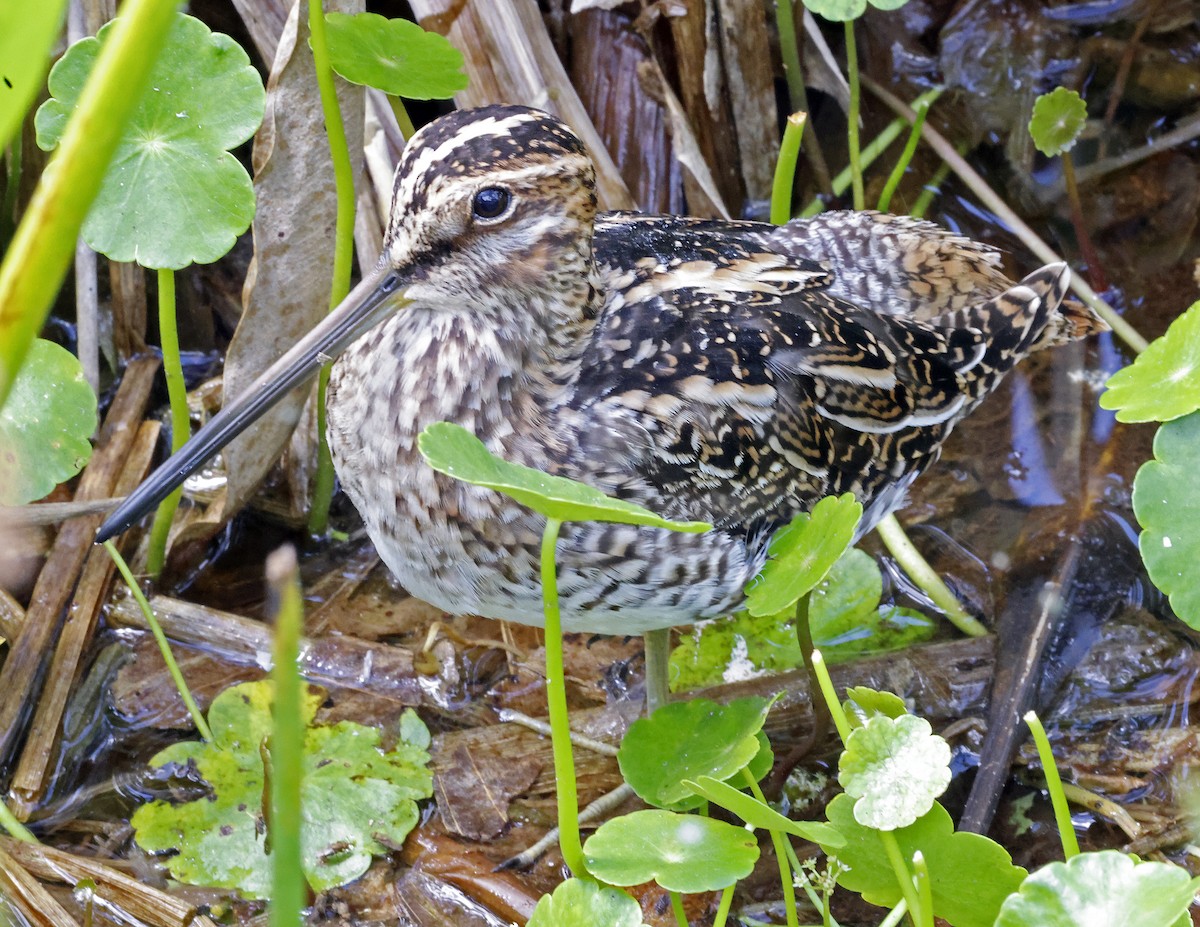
[581, 903]
[1104, 889]
[802, 553]
[453, 450]
[888, 5]
[837, 10]
[762, 816]
[681, 852]
[45, 424]
[687, 740]
[896, 768]
[862, 704]
[1058, 118]
[1168, 509]
[970, 875]
[1163, 382]
[173, 194]
[394, 55]
[357, 801]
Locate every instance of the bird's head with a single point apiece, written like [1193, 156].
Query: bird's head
[494, 204]
[490, 201]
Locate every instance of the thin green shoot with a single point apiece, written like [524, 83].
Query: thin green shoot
[896, 915]
[181, 427]
[44, 243]
[1062, 812]
[286, 751]
[921, 878]
[789, 50]
[779, 842]
[556, 702]
[402, 118]
[785, 168]
[876, 147]
[657, 647]
[856, 168]
[891, 846]
[926, 577]
[15, 828]
[723, 907]
[931, 189]
[343, 247]
[910, 148]
[840, 721]
[681, 917]
[816, 900]
[164, 646]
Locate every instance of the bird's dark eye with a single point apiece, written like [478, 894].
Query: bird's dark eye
[491, 203]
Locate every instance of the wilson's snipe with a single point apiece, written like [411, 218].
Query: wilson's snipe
[727, 371]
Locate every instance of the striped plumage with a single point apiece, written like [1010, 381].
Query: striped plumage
[732, 372]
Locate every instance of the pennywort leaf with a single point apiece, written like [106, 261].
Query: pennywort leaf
[393, 55]
[896, 768]
[1058, 119]
[1163, 382]
[45, 424]
[453, 450]
[173, 194]
[802, 553]
[681, 852]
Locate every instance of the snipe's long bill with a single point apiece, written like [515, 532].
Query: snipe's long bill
[729, 372]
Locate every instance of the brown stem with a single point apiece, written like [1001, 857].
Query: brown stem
[1086, 247]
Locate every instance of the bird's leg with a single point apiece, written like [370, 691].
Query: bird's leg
[658, 656]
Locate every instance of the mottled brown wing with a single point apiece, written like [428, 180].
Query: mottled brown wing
[743, 388]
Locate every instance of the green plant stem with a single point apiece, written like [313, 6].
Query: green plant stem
[322, 496]
[1062, 812]
[896, 915]
[785, 168]
[789, 50]
[827, 691]
[15, 828]
[288, 888]
[406, 126]
[657, 646]
[903, 877]
[164, 646]
[181, 427]
[780, 843]
[343, 245]
[876, 147]
[856, 170]
[924, 887]
[556, 702]
[44, 243]
[1095, 268]
[906, 156]
[931, 188]
[677, 909]
[821, 904]
[926, 577]
[723, 907]
[804, 638]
